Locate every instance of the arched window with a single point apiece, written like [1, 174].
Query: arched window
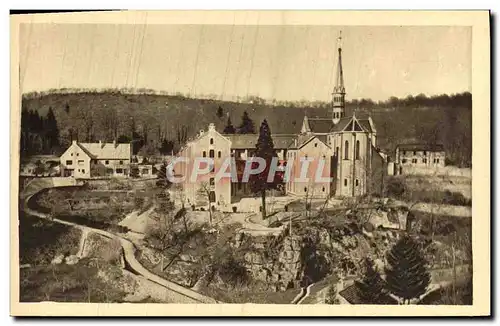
[357, 149]
[212, 153]
[346, 150]
[204, 154]
[357, 182]
[219, 154]
[211, 141]
[323, 189]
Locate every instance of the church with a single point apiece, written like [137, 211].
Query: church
[342, 148]
[348, 145]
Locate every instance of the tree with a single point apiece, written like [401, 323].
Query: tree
[205, 192]
[372, 286]
[134, 172]
[264, 149]
[406, 272]
[220, 112]
[247, 125]
[51, 130]
[166, 147]
[163, 180]
[229, 129]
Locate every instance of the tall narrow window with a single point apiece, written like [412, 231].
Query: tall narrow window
[211, 141]
[357, 182]
[204, 154]
[346, 150]
[219, 154]
[357, 149]
[212, 153]
[337, 152]
[345, 182]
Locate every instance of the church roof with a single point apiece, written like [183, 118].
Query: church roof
[320, 125]
[352, 124]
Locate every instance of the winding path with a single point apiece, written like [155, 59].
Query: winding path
[182, 294]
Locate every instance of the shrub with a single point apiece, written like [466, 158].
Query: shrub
[395, 187]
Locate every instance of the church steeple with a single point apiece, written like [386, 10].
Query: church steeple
[338, 95]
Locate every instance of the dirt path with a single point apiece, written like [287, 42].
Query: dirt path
[181, 294]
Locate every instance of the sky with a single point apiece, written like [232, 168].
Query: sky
[273, 62]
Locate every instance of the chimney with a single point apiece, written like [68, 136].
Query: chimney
[211, 127]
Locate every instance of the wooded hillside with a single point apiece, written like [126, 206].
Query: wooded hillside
[164, 122]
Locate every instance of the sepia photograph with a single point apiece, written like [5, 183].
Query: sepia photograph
[245, 157]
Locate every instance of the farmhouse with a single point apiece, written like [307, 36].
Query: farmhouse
[414, 157]
[90, 160]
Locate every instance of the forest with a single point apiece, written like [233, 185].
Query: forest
[161, 123]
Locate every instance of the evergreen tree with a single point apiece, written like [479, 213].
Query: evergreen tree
[220, 112]
[406, 273]
[229, 129]
[265, 150]
[51, 129]
[247, 126]
[372, 285]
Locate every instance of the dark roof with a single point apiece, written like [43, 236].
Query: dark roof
[353, 295]
[247, 141]
[421, 147]
[320, 125]
[345, 123]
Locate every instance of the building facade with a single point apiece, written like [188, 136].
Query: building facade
[414, 158]
[341, 154]
[92, 160]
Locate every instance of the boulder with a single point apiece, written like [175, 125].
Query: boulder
[58, 259]
[71, 260]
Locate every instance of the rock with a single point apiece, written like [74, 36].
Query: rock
[71, 260]
[58, 259]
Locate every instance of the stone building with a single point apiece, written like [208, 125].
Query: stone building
[411, 158]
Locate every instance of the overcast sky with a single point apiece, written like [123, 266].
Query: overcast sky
[282, 62]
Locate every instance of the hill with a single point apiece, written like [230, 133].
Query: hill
[153, 120]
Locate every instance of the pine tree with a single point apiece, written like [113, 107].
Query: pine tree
[247, 126]
[406, 273]
[229, 129]
[265, 150]
[372, 285]
[220, 112]
[51, 129]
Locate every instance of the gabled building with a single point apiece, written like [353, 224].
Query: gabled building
[89, 160]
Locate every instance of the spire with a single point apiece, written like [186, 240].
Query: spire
[339, 80]
[338, 95]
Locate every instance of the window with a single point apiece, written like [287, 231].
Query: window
[337, 151]
[346, 150]
[121, 162]
[305, 189]
[414, 152]
[211, 197]
[424, 160]
[414, 160]
[145, 171]
[83, 170]
[345, 182]
[204, 154]
[80, 162]
[212, 181]
[403, 161]
[425, 152]
[315, 144]
[404, 152]
[69, 162]
[212, 153]
[357, 149]
[357, 182]
[78, 170]
[211, 141]
[106, 162]
[109, 171]
[71, 154]
[323, 189]
[437, 160]
[77, 154]
[219, 154]
[119, 170]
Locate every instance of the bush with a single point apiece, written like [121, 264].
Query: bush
[395, 187]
